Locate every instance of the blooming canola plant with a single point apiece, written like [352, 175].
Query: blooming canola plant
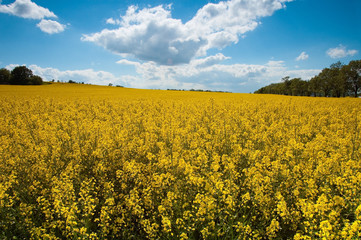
[92, 162]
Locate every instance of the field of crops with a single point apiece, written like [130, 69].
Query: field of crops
[90, 162]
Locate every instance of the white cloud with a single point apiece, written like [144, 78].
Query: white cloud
[209, 61]
[224, 22]
[84, 75]
[12, 66]
[113, 21]
[340, 52]
[26, 9]
[50, 26]
[128, 62]
[302, 56]
[213, 75]
[208, 73]
[110, 21]
[29, 9]
[151, 34]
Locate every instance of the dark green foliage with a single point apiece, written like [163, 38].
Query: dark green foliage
[4, 76]
[294, 87]
[337, 81]
[353, 75]
[36, 80]
[20, 75]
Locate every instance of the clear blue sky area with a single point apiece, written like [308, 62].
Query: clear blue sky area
[235, 45]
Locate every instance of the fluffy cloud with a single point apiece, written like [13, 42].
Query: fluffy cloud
[303, 56]
[26, 9]
[209, 61]
[85, 75]
[210, 73]
[113, 21]
[340, 52]
[224, 22]
[50, 26]
[29, 9]
[151, 34]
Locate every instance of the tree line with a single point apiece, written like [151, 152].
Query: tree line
[338, 80]
[20, 75]
[197, 90]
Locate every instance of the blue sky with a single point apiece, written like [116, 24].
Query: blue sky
[235, 45]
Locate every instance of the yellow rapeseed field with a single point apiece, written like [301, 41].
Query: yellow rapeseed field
[91, 162]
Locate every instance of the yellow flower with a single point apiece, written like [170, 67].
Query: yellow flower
[95, 162]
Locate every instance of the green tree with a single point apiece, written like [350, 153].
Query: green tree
[20, 75]
[286, 85]
[35, 80]
[326, 83]
[338, 80]
[4, 76]
[353, 76]
[315, 86]
[299, 87]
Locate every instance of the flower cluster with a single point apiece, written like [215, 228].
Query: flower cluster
[90, 162]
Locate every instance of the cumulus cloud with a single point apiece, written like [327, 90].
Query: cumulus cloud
[50, 26]
[113, 21]
[151, 34]
[30, 10]
[209, 61]
[302, 56]
[224, 22]
[84, 75]
[211, 73]
[340, 52]
[207, 73]
[26, 9]
[128, 62]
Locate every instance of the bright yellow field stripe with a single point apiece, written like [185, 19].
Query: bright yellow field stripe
[95, 162]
